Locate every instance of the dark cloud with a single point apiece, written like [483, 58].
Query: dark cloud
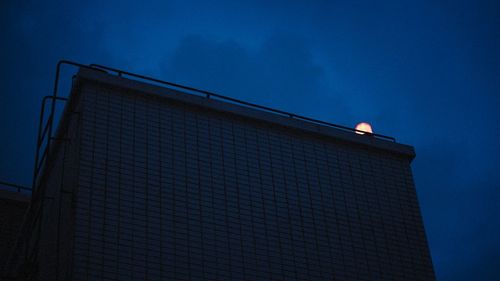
[425, 72]
[280, 72]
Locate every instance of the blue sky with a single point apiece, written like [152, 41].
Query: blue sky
[425, 72]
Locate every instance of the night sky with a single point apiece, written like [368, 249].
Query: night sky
[424, 72]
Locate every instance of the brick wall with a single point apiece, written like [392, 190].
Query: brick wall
[170, 191]
[142, 187]
[13, 206]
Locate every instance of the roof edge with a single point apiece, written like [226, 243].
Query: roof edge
[240, 110]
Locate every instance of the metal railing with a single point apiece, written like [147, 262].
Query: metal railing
[208, 94]
[45, 131]
[18, 187]
[44, 134]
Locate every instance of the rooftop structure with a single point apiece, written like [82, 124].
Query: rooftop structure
[166, 182]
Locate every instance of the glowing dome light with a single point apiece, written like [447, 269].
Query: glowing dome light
[363, 128]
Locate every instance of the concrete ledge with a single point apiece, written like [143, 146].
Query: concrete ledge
[240, 110]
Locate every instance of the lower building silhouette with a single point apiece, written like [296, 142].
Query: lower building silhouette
[143, 181]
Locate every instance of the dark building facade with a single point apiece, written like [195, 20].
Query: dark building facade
[13, 206]
[150, 183]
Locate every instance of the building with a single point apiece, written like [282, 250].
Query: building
[149, 182]
[14, 202]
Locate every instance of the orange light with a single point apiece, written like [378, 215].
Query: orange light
[363, 128]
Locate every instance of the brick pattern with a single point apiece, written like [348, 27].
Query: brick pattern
[168, 191]
[11, 218]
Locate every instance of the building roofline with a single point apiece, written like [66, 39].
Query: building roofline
[250, 111]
